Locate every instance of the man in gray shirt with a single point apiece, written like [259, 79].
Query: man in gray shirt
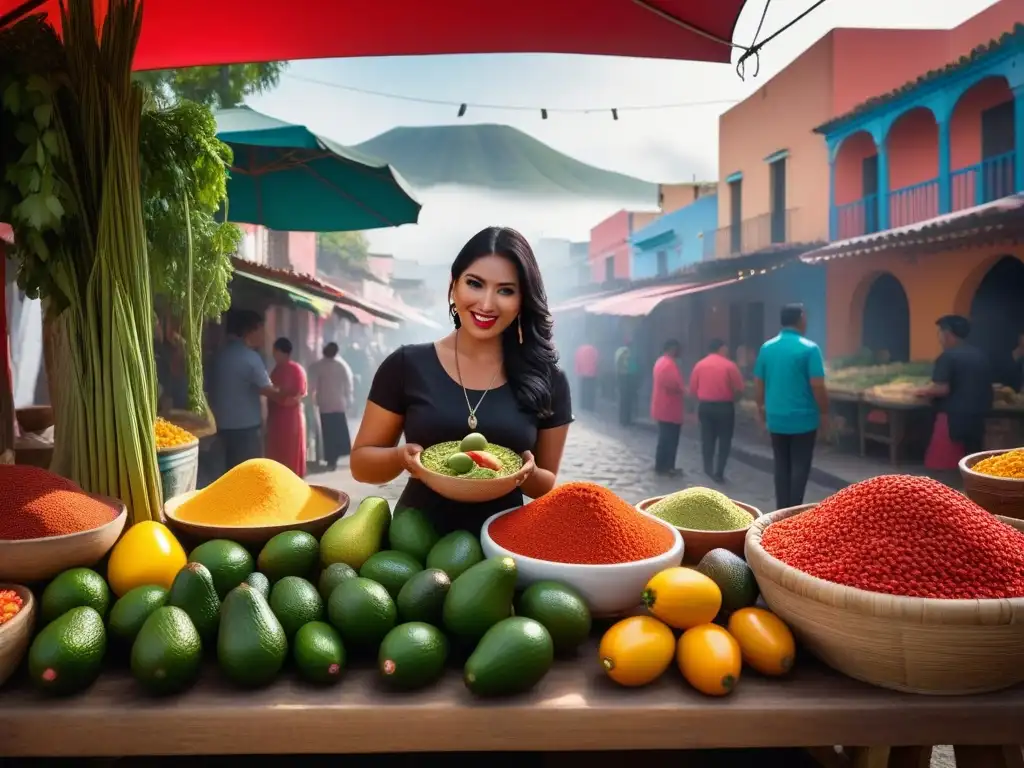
[239, 379]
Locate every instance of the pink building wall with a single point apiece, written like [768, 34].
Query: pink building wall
[302, 252]
[842, 70]
[610, 238]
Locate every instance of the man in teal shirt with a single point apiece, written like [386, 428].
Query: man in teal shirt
[789, 379]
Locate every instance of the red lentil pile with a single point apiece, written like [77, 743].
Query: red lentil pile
[10, 605]
[36, 504]
[903, 535]
[581, 523]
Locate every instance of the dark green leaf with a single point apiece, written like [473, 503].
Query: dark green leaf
[43, 114]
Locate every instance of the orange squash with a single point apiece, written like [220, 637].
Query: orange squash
[636, 651]
[710, 659]
[765, 641]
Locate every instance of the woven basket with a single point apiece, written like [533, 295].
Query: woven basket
[911, 644]
[999, 495]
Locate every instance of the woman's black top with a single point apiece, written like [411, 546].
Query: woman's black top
[412, 383]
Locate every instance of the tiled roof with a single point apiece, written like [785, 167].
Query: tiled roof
[981, 52]
[313, 285]
[998, 221]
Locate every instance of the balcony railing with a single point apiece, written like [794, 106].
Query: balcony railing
[972, 185]
[751, 235]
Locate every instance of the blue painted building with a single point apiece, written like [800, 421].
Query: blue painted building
[673, 240]
[949, 141]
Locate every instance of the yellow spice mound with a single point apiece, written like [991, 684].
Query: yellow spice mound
[257, 492]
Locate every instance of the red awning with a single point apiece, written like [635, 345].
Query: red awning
[185, 33]
[579, 302]
[363, 317]
[642, 301]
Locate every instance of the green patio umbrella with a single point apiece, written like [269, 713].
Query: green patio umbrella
[287, 178]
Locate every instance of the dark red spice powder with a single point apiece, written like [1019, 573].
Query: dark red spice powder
[36, 504]
[581, 523]
[903, 535]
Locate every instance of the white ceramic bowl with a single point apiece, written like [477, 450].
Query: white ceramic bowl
[610, 590]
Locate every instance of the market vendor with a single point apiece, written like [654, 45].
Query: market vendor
[496, 374]
[238, 380]
[961, 388]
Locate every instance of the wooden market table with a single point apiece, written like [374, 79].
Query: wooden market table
[574, 708]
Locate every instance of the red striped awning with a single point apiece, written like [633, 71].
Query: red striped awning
[642, 301]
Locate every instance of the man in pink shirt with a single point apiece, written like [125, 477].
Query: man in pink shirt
[586, 372]
[667, 407]
[716, 383]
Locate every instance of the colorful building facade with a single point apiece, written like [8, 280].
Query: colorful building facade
[935, 151]
[609, 250]
[674, 240]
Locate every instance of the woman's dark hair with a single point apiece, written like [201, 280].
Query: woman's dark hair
[330, 349]
[530, 366]
[283, 345]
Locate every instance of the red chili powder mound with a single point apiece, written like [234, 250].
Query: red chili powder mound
[581, 523]
[903, 535]
[35, 504]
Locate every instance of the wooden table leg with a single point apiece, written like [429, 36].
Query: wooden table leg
[862, 422]
[897, 431]
[1007, 756]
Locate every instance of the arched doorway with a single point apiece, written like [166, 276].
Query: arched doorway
[997, 316]
[885, 328]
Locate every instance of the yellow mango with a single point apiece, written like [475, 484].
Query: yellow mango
[147, 554]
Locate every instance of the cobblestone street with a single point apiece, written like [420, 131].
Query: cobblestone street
[620, 458]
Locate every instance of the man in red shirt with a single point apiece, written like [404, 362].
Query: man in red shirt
[586, 372]
[667, 407]
[716, 383]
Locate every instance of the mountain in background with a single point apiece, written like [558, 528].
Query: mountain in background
[501, 158]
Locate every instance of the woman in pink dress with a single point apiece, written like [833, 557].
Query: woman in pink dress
[286, 421]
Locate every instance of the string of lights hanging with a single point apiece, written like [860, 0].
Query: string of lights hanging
[753, 51]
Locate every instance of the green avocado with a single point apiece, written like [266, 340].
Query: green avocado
[67, 655]
[512, 657]
[480, 598]
[168, 653]
[251, 644]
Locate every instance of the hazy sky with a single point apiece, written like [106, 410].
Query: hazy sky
[658, 145]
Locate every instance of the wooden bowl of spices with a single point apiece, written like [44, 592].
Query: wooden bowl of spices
[335, 505]
[16, 624]
[995, 480]
[468, 490]
[47, 524]
[700, 542]
[924, 645]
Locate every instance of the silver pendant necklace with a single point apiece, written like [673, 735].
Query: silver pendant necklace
[471, 421]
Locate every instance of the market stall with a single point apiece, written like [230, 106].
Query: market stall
[265, 620]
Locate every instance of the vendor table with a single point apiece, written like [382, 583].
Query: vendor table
[574, 708]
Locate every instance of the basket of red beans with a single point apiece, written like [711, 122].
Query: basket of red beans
[901, 582]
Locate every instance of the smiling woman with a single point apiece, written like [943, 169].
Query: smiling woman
[496, 372]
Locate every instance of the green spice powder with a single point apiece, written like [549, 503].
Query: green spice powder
[701, 509]
[435, 459]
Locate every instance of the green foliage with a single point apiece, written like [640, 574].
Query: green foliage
[184, 180]
[336, 250]
[220, 87]
[35, 196]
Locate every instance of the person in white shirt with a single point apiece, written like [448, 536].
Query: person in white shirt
[331, 385]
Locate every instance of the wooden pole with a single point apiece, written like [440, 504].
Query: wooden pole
[6, 387]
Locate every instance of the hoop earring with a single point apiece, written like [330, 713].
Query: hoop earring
[456, 321]
[520, 323]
